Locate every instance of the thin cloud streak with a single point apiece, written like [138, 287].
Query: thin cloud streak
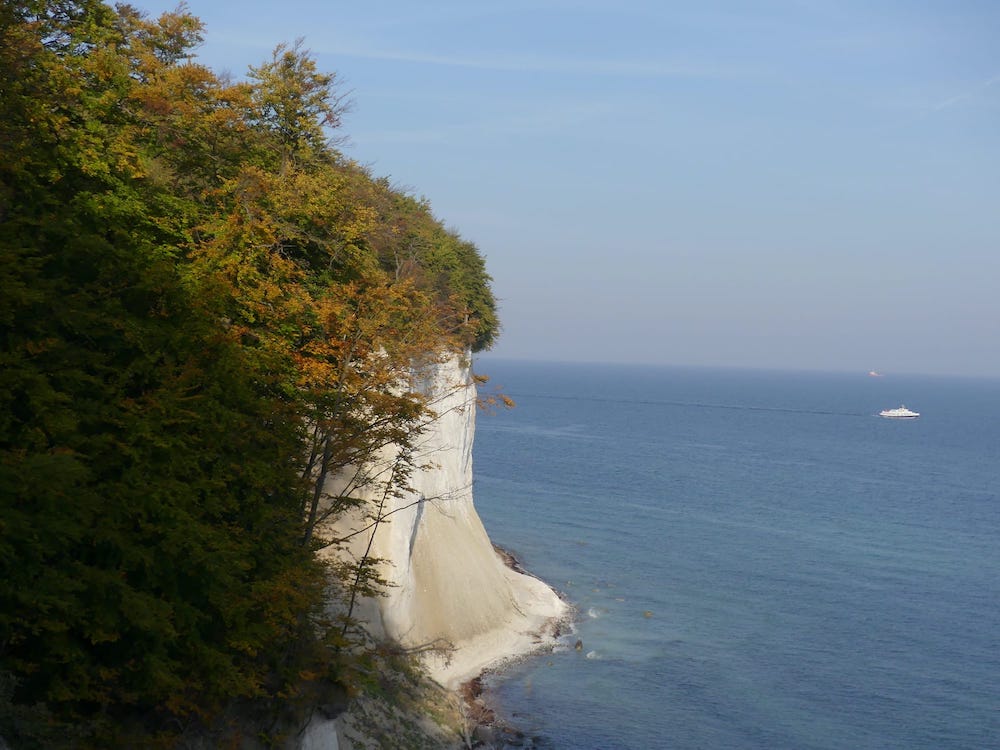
[539, 122]
[959, 98]
[535, 64]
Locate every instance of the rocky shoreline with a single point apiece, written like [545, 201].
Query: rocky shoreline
[412, 709]
[490, 730]
[454, 603]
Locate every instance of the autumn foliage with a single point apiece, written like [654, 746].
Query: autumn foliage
[206, 309]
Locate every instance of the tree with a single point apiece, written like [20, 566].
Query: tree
[294, 103]
[149, 485]
[207, 313]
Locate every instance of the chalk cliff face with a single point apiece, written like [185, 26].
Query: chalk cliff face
[450, 592]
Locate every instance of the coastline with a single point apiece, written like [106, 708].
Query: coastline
[489, 728]
[453, 602]
[444, 705]
[532, 623]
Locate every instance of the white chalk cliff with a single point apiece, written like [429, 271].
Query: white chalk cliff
[449, 588]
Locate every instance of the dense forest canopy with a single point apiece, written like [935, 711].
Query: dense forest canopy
[206, 309]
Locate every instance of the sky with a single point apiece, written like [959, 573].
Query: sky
[783, 184]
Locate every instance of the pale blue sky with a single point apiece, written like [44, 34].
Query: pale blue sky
[786, 184]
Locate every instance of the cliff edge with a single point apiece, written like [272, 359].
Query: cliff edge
[451, 597]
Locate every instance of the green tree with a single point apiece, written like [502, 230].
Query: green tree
[149, 535]
[207, 312]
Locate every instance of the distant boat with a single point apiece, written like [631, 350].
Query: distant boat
[901, 413]
[874, 374]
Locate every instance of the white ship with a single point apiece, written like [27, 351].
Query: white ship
[901, 413]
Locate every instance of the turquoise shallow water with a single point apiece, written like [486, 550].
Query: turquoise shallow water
[757, 560]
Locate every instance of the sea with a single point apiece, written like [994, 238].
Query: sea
[755, 559]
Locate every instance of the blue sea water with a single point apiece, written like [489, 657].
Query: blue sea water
[757, 560]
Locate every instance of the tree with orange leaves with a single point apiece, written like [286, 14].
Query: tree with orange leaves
[207, 312]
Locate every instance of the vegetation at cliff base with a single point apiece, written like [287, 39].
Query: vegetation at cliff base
[206, 309]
